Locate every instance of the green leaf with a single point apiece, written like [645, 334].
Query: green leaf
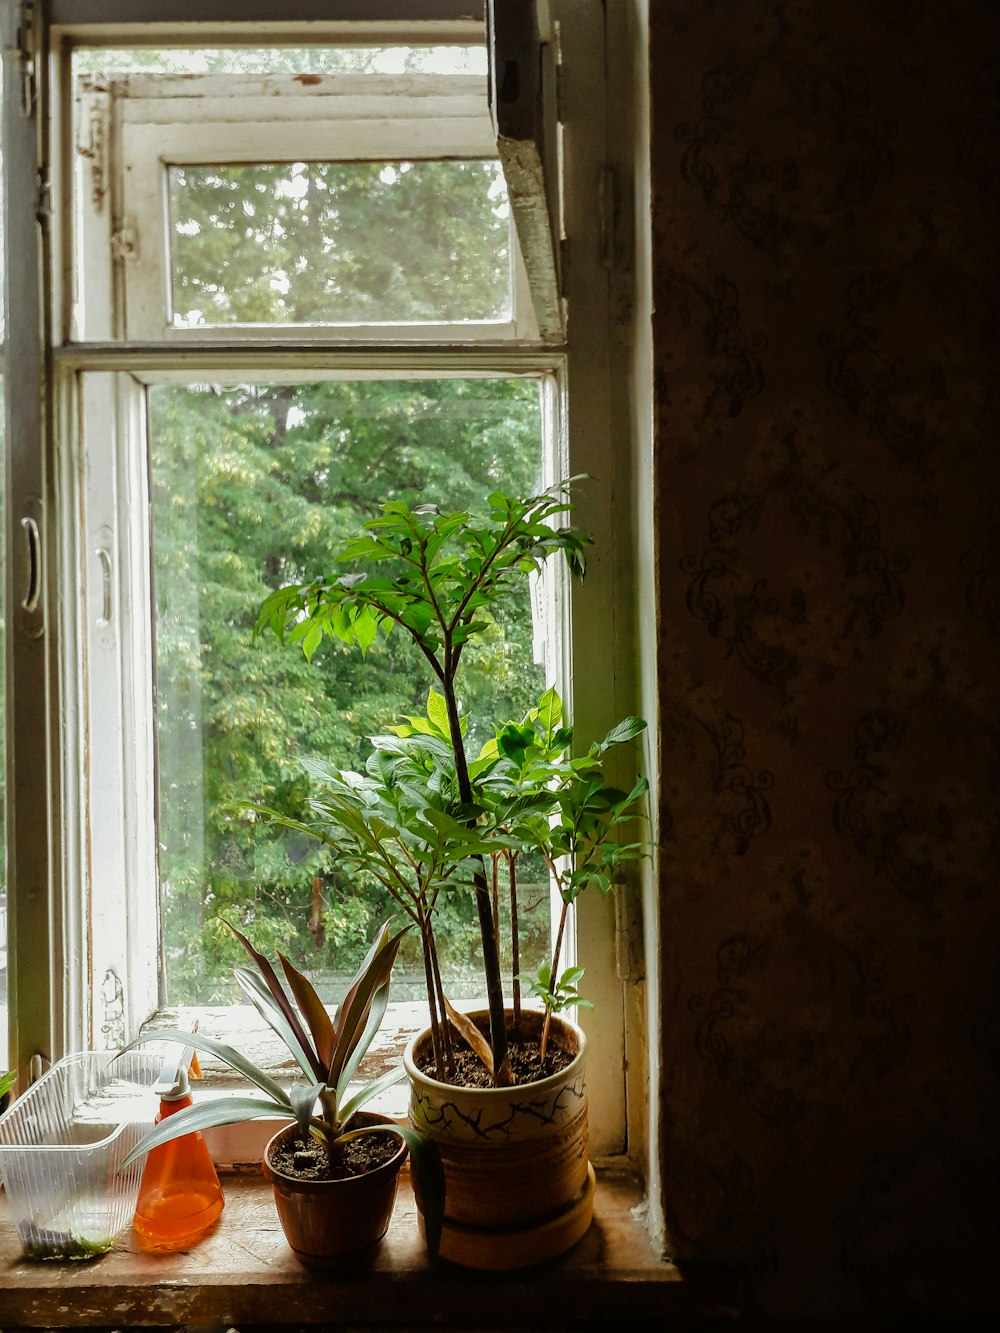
[380, 1002]
[270, 978]
[370, 1090]
[253, 987]
[626, 730]
[303, 1100]
[550, 711]
[233, 1058]
[206, 1115]
[437, 712]
[365, 629]
[311, 640]
[352, 1016]
[428, 1183]
[324, 1034]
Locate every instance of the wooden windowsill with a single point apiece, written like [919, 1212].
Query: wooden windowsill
[244, 1275]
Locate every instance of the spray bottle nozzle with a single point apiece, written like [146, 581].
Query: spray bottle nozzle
[175, 1072]
[173, 1080]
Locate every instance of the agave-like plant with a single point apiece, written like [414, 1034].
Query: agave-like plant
[327, 1050]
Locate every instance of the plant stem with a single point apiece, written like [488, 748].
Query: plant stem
[484, 908]
[432, 999]
[515, 943]
[449, 1051]
[543, 1045]
[495, 867]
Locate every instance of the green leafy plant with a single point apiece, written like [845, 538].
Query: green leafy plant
[327, 1050]
[402, 822]
[560, 805]
[7, 1081]
[423, 816]
[434, 576]
[560, 994]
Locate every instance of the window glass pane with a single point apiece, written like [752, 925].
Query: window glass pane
[250, 486]
[273, 60]
[336, 242]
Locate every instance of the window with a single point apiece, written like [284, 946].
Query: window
[284, 279]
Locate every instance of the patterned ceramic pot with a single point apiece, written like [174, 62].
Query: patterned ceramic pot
[326, 1220]
[519, 1188]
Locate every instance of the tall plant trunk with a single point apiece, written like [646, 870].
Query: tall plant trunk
[495, 868]
[484, 906]
[449, 1053]
[436, 1013]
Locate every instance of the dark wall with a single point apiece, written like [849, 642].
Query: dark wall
[826, 242]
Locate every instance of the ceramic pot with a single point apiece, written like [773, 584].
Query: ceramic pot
[519, 1187]
[325, 1220]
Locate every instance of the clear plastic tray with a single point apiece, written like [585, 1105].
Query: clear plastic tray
[61, 1146]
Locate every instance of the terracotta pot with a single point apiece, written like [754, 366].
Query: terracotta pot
[519, 1188]
[324, 1220]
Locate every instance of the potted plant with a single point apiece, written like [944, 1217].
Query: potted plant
[334, 1169]
[426, 818]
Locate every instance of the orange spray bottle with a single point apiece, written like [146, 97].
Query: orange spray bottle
[180, 1197]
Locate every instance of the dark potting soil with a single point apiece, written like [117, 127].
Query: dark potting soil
[468, 1071]
[312, 1161]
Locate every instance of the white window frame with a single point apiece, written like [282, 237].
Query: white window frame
[602, 621]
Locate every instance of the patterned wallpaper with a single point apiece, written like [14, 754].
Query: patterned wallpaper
[826, 187]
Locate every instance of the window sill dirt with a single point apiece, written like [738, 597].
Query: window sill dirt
[244, 1275]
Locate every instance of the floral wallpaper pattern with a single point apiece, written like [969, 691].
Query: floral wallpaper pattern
[826, 208]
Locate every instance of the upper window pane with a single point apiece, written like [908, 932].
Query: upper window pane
[367, 203]
[340, 243]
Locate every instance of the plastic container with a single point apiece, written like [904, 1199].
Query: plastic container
[61, 1145]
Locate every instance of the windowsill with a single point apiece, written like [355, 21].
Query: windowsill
[244, 1274]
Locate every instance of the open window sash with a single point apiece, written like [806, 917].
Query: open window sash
[524, 67]
[133, 131]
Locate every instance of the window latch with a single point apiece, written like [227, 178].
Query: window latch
[30, 571]
[33, 562]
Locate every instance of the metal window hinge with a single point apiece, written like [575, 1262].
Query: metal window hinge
[27, 59]
[124, 244]
[43, 198]
[37, 1066]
